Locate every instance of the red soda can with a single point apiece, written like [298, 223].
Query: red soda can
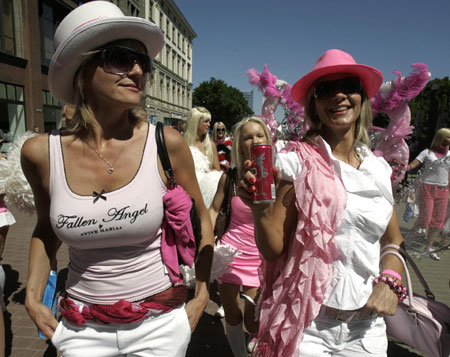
[265, 186]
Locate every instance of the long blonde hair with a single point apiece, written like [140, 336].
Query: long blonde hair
[190, 135]
[439, 137]
[236, 153]
[363, 123]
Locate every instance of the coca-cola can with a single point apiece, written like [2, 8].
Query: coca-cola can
[263, 163]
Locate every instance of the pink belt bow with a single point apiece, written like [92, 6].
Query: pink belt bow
[177, 235]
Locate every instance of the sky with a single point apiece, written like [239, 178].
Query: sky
[289, 36]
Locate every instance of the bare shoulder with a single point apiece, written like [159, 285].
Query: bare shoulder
[174, 140]
[35, 150]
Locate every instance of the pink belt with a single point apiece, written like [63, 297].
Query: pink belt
[123, 312]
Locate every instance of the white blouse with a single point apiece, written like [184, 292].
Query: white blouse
[368, 211]
[435, 172]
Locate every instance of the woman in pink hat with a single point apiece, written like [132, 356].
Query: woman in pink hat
[324, 292]
[99, 187]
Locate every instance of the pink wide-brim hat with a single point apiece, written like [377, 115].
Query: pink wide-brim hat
[333, 62]
[88, 27]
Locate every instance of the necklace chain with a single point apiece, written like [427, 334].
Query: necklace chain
[110, 166]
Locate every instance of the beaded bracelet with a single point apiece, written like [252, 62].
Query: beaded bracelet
[396, 287]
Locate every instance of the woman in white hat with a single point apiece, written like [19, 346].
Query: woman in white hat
[323, 289]
[99, 187]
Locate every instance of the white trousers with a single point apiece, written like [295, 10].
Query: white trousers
[328, 337]
[165, 335]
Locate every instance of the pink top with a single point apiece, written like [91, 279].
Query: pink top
[3, 207]
[114, 238]
[240, 231]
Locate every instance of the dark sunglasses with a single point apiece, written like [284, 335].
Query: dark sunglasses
[349, 85]
[219, 129]
[121, 60]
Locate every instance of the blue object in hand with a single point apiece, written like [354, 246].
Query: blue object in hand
[50, 297]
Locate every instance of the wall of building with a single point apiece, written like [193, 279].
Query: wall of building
[26, 48]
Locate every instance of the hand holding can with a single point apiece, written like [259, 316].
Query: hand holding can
[261, 155]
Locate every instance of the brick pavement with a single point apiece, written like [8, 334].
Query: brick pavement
[208, 340]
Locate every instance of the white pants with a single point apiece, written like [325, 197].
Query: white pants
[165, 335]
[328, 337]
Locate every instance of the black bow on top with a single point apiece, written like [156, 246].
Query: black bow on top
[99, 195]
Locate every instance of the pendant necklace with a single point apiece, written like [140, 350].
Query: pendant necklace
[110, 166]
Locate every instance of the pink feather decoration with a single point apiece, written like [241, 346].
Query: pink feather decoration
[393, 99]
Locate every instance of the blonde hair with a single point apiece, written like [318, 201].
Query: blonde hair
[236, 154]
[215, 130]
[439, 137]
[363, 123]
[191, 133]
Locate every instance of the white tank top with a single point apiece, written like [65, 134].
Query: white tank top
[114, 240]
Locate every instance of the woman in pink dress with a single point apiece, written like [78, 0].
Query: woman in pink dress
[243, 271]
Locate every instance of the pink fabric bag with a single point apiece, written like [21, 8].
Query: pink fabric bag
[421, 322]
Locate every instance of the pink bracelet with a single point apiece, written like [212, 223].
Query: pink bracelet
[397, 288]
[393, 273]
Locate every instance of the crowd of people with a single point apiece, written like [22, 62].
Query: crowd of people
[307, 267]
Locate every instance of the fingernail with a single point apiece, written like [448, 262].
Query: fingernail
[252, 180]
[253, 188]
[248, 164]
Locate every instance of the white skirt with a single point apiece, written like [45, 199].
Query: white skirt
[6, 219]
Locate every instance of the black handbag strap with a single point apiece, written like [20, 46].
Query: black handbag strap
[163, 155]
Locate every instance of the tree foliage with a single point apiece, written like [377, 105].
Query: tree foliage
[226, 104]
[430, 111]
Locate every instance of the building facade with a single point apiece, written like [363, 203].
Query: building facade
[169, 97]
[26, 48]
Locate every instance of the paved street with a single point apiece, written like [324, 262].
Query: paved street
[208, 340]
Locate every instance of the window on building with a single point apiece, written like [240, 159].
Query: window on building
[132, 9]
[167, 56]
[167, 28]
[150, 13]
[49, 18]
[7, 39]
[12, 112]
[52, 112]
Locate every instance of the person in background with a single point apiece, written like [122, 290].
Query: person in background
[36, 129]
[433, 192]
[323, 293]
[243, 272]
[6, 219]
[203, 151]
[67, 115]
[100, 187]
[224, 145]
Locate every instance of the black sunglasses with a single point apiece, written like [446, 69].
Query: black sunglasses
[220, 129]
[121, 60]
[349, 85]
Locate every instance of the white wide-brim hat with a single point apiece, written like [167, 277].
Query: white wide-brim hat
[87, 28]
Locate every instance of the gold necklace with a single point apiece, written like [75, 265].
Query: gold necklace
[110, 166]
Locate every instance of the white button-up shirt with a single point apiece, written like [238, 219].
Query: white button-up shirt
[368, 211]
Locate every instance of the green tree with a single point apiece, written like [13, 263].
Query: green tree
[226, 104]
[430, 110]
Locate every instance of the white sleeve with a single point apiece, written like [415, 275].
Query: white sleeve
[289, 164]
[422, 156]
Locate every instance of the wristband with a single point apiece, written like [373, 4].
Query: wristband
[397, 288]
[393, 273]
